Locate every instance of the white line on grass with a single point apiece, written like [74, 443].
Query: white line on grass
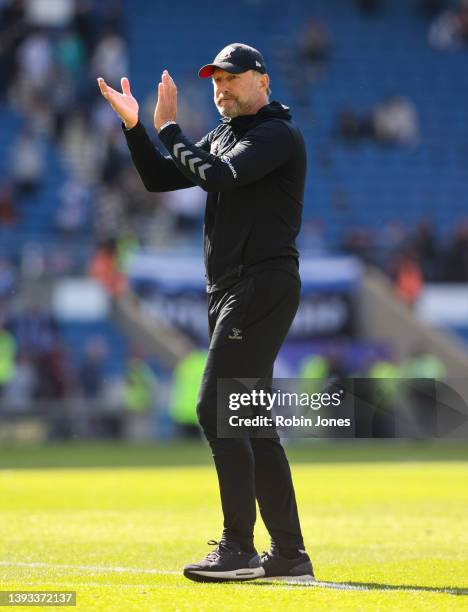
[189, 585]
[267, 583]
[91, 568]
[122, 570]
[113, 585]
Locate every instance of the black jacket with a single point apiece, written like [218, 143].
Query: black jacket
[253, 168]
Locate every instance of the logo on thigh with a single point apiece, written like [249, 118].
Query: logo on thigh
[236, 334]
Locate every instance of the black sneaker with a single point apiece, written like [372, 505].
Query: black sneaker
[227, 562]
[294, 570]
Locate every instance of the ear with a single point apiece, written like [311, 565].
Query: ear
[265, 80]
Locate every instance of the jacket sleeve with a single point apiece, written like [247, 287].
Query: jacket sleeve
[259, 152]
[158, 172]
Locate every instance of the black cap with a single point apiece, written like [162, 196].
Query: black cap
[235, 58]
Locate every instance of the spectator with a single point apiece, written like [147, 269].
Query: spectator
[140, 386]
[312, 237]
[81, 146]
[187, 207]
[55, 373]
[33, 260]
[84, 24]
[34, 330]
[313, 372]
[396, 122]
[139, 203]
[114, 156]
[187, 377]
[7, 357]
[35, 63]
[8, 213]
[315, 47]
[456, 258]
[408, 278]
[351, 128]
[336, 363]
[106, 124]
[140, 398]
[109, 214]
[12, 32]
[110, 16]
[449, 31]
[383, 395]
[104, 268]
[127, 246]
[463, 21]
[110, 59]
[74, 209]
[22, 386]
[92, 368]
[426, 249]
[57, 382]
[444, 32]
[27, 163]
[393, 238]
[7, 279]
[70, 54]
[421, 369]
[370, 7]
[431, 7]
[360, 241]
[45, 13]
[423, 364]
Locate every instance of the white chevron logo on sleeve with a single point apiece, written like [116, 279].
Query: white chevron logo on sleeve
[192, 163]
[201, 170]
[176, 148]
[184, 156]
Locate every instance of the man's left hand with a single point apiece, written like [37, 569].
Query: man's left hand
[166, 106]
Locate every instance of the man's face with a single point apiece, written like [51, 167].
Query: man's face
[237, 94]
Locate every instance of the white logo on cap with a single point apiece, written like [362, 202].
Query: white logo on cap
[226, 53]
[258, 64]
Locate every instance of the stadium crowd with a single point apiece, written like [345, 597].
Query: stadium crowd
[49, 62]
[50, 56]
[39, 374]
[410, 256]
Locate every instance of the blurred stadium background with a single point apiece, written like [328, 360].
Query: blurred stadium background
[102, 304]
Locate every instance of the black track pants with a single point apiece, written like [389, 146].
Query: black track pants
[259, 309]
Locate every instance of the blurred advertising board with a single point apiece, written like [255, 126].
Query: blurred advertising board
[174, 289]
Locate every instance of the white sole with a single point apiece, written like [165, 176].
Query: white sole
[247, 573]
[305, 579]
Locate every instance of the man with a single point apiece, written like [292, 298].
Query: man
[252, 167]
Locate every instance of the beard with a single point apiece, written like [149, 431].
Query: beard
[232, 109]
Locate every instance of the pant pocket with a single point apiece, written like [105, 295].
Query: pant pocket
[231, 320]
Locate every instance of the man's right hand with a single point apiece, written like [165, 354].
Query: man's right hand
[123, 103]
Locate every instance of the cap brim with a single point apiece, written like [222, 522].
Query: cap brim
[208, 69]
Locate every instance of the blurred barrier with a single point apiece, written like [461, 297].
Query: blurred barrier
[382, 315]
[156, 336]
[73, 419]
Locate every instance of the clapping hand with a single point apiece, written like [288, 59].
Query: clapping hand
[123, 103]
[166, 106]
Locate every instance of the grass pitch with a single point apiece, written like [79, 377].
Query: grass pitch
[386, 526]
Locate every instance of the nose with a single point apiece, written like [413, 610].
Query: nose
[221, 88]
